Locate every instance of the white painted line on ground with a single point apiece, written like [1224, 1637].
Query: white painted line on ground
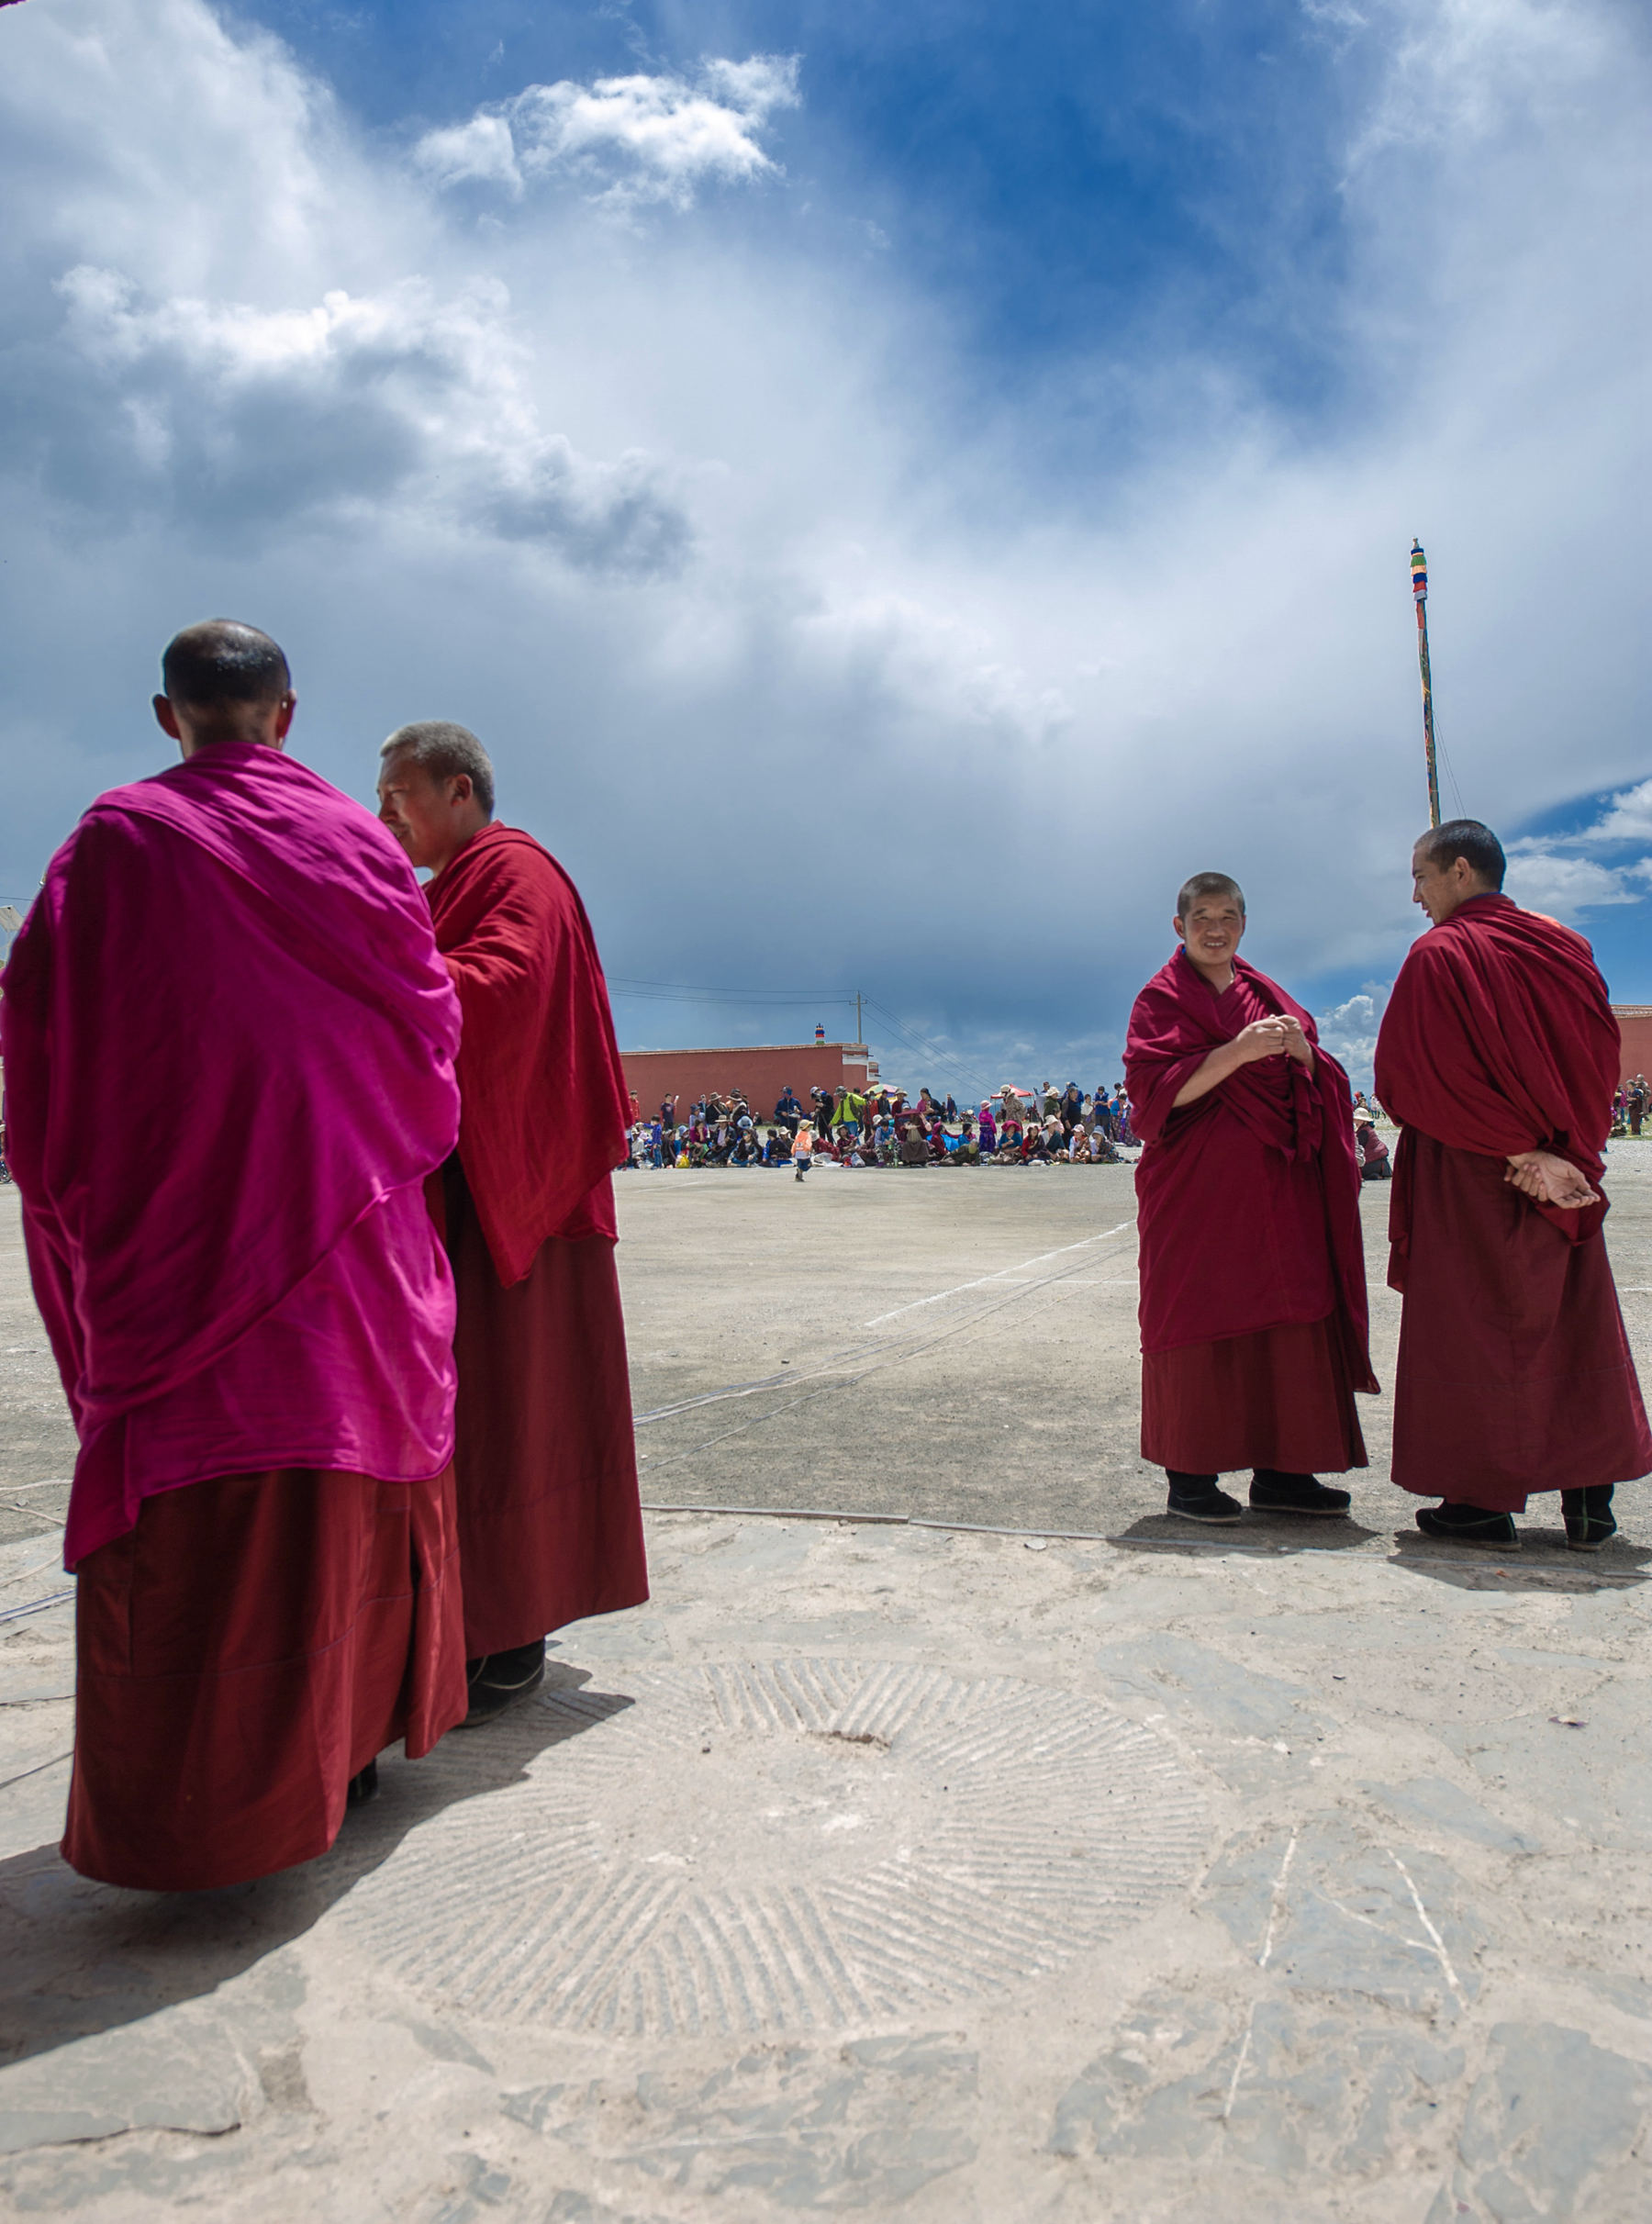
[982, 1280]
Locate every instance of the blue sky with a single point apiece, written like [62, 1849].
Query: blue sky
[895, 488]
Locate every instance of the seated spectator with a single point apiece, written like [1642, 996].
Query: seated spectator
[914, 1145]
[1101, 1150]
[1373, 1151]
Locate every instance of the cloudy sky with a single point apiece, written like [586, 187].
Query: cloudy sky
[895, 488]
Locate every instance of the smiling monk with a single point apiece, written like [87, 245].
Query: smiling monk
[1253, 1294]
[1499, 1056]
[550, 1527]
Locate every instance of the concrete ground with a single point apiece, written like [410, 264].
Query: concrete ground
[891, 1869]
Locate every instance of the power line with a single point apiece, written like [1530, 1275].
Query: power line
[927, 1049]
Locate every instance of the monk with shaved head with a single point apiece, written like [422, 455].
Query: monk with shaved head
[550, 1526]
[1498, 1055]
[1253, 1294]
[228, 1046]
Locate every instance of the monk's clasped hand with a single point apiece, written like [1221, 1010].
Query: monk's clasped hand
[1269, 1038]
[1547, 1178]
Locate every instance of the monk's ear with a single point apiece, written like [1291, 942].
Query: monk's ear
[166, 718]
[1181, 932]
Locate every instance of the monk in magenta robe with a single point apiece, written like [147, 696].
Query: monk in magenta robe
[1253, 1307]
[228, 1046]
[1499, 1056]
[550, 1526]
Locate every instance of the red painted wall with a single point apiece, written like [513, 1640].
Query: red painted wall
[760, 1073]
[1635, 1025]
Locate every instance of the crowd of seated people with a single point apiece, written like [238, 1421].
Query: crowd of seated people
[885, 1127]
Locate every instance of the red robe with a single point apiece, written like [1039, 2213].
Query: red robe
[550, 1526]
[1514, 1373]
[1253, 1299]
[218, 1722]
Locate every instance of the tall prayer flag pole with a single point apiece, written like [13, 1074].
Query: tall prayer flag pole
[1419, 569]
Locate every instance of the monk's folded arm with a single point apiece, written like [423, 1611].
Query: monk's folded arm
[1226, 1058]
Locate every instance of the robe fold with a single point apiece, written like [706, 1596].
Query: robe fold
[253, 1700]
[228, 1045]
[550, 1526]
[1514, 1373]
[1253, 1311]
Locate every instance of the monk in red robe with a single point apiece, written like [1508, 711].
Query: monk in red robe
[1253, 1294]
[1499, 1056]
[550, 1526]
[228, 1046]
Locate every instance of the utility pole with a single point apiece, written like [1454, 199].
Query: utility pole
[1419, 571]
[859, 1037]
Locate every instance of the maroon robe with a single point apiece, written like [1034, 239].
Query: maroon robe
[1253, 1301]
[1514, 1373]
[218, 1724]
[550, 1526]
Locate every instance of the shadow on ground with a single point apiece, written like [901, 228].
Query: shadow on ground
[1257, 1533]
[1542, 1561]
[83, 1958]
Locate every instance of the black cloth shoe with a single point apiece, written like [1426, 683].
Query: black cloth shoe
[500, 1680]
[1588, 1516]
[1274, 1492]
[1196, 1498]
[1468, 1525]
[363, 1787]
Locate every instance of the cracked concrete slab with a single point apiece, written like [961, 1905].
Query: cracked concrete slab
[895, 1872]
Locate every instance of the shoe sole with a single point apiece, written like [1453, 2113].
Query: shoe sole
[1589, 1543]
[1206, 1521]
[1306, 1513]
[1483, 1543]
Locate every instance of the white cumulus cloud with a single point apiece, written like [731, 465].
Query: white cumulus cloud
[1567, 888]
[628, 139]
[346, 409]
[1348, 1030]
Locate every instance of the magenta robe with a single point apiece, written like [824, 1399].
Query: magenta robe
[229, 1047]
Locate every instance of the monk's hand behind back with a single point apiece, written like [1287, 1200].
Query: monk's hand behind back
[1546, 1178]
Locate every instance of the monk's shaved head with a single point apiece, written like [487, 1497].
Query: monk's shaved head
[222, 661]
[1476, 844]
[1207, 884]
